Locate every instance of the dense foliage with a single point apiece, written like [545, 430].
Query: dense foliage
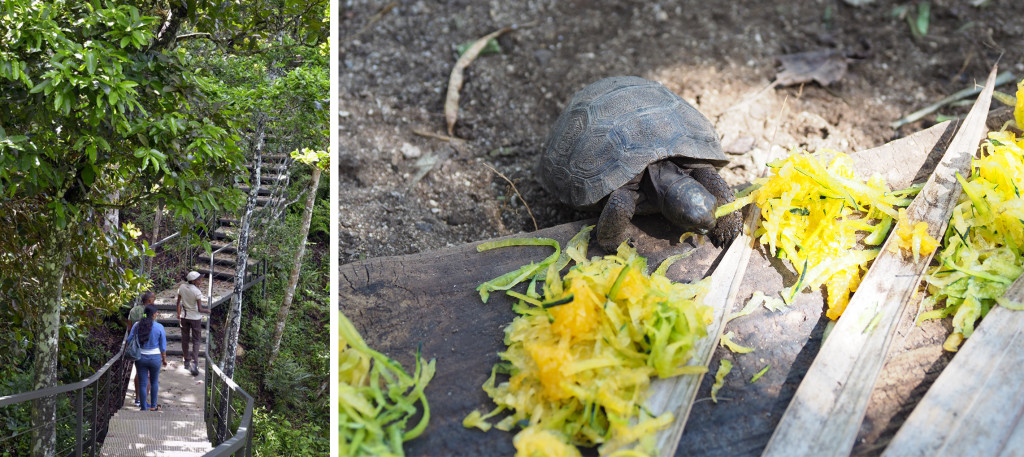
[293, 418]
[117, 105]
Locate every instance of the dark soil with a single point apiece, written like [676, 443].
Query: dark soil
[720, 56]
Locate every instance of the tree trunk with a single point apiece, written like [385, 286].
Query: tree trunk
[241, 261]
[158, 219]
[234, 322]
[112, 217]
[47, 331]
[293, 280]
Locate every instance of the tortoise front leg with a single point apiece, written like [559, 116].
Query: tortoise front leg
[727, 227]
[614, 220]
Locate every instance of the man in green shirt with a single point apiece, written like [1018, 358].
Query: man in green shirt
[135, 315]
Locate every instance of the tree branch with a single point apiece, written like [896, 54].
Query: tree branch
[188, 36]
[167, 35]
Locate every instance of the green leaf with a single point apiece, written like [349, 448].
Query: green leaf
[88, 175]
[90, 62]
[41, 86]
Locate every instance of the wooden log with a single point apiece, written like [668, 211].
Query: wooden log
[975, 406]
[398, 303]
[833, 396]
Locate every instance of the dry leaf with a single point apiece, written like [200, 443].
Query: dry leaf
[451, 100]
[825, 67]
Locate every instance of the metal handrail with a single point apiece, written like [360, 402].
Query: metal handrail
[65, 388]
[79, 403]
[242, 438]
[164, 240]
[209, 285]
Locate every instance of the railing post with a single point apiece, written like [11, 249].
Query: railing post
[95, 410]
[248, 439]
[79, 405]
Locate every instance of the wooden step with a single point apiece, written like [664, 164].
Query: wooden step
[263, 202]
[271, 179]
[217, 244]
[276, 158]
[220, 272]
[228, 259]
[270, 168]
[225, 233]
[262, 191]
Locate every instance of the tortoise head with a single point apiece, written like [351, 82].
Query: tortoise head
[688, 205]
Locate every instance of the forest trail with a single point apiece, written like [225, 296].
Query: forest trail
[178, 429]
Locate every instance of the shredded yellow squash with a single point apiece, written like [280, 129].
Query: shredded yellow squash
[981, 254]
[582, 352]
[814, 216]
[377, 398]
[723, 370]
[913, 238]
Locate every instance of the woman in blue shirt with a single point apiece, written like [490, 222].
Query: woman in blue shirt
[153, 341]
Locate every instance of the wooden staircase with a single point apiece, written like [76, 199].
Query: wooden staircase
[272, 177]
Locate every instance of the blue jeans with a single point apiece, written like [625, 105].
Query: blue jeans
[148, 368]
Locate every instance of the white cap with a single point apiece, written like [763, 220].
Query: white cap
[192, 276]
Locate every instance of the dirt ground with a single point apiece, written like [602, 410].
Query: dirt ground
[719, 56]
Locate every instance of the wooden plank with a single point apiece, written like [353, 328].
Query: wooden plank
[398, 303]
[742, 421]
[975, 406]
[676, 395]
[833, 396]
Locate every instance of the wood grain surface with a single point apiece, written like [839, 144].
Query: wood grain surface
[833, 396]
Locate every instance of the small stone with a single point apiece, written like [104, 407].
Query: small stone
[661, 16]
[458, 219]
[740, 145]
[424, 226]
[410, 151]
[543, 56]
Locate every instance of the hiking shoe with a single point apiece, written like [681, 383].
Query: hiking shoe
[195, 369]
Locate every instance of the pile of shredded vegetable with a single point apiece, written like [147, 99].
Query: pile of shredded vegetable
[377, 398]
[583, 349]
[814, 216]
[913, 237]
[981, 254]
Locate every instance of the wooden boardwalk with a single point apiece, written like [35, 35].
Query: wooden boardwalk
[179, 429]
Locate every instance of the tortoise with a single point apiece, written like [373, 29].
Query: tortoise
[627, 145]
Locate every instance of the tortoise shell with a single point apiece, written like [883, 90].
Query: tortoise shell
[613, 129]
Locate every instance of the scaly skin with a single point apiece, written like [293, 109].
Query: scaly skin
[728, 227]
[614, 220]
